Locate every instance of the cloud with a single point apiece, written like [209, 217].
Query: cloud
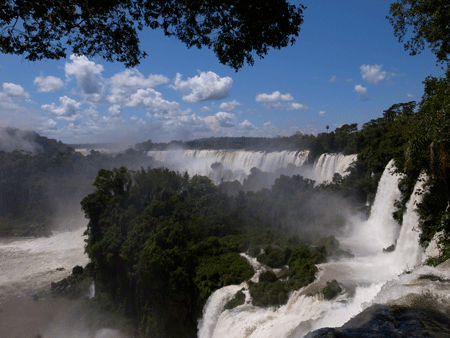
[322, 113]
[333, 79]
[12, 113]
[137, 120]
[270, 129]
[48, 84]
[373, 74]
[207, 86]
[272, 99]
[276, 100]
[49, 125]
[230, 105]
[225, 120]
[360, 90]
[132, 78]
[409, 96]
[153, 101]
[14, 91]
[114, 110]
[68, 110]
[296, 106]
[205, 109]
[247, 126]
[87, 74]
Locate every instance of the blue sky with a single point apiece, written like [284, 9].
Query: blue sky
[345, 67]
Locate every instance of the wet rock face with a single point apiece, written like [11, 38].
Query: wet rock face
[386, 321]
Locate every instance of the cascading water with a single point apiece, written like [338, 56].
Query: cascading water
[329, 164]
[362, 277]
[236, 165]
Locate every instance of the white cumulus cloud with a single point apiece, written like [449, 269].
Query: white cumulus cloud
[247, 126]
[204, 87]
[230, 105]
[296, 106]
[114, 110]
[48, 84]
[87, 74]
[225, 120]
[151, 100]
[15, 91]
[49, 124]
[276, 100]
[68, 110]
[360, 90]
[373, 74]
[132, 78]
[322, 113]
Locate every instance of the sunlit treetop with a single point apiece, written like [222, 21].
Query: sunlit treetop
[235, 30]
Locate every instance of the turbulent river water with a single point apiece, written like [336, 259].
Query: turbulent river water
[371, 277]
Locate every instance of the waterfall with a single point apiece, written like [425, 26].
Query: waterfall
[329, 164]
[407, 251]
[381, 230]
[214, 308]
[236, 164]
[369, 275]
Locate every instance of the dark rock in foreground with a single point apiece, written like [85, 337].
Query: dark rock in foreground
[386, 321]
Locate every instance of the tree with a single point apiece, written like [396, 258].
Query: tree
[429, 22]
[429, 131]
[234, 29]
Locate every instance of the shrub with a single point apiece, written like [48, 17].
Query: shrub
[238, 299]
[331, 290]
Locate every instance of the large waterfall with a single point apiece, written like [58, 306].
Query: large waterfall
[372, 276]
[237, 164]
[366, 278]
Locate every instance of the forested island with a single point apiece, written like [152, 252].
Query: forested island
[160, 242]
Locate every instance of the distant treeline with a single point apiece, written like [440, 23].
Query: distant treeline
[341, 140]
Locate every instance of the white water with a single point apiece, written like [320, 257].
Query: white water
[329, 164]
[29, 264]
[236, 165]
[372, 276]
